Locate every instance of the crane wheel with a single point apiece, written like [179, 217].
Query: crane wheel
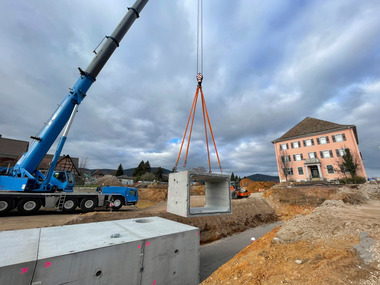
[6, 205]
[88, 204]
[29, 206]
[117, 203]
[70, 205]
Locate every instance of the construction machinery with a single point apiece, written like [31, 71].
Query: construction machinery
[24, 186]
[237, 192]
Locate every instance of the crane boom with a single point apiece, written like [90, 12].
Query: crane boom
[31, 159]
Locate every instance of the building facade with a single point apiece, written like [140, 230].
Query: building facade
[313, 150]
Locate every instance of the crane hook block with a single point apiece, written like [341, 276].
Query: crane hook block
[199, 78]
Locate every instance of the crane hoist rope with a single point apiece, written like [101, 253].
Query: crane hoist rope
[206, 118]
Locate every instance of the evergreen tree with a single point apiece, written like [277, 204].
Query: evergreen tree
[232, 177]
[120, 170]
[147, 167]
[139, 170]
[158, 173]
[348, 163]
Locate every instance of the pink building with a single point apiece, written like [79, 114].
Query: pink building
[313, 150]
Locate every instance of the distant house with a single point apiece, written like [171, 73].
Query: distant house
[11, 150]
[125, 180]
[313, 150]
[97, 174]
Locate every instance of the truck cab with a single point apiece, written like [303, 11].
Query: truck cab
[63, 180]
[120, 195]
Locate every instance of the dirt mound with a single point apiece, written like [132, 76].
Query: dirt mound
[247, 213]
[337, 243]
[153, 194]
[108, 180]
[260, 186]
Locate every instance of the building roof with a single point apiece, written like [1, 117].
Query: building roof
[12, 148]
[310, 126]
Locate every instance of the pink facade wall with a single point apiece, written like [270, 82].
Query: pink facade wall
[350, 143]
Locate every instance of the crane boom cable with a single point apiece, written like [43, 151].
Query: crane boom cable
[191, 127]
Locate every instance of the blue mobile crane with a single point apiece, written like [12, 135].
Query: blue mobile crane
[25, 187]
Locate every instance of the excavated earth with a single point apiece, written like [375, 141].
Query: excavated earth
[330, 235]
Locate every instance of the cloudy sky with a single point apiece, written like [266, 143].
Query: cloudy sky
[267, 66]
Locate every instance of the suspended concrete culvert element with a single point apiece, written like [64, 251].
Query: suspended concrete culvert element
[217, 194]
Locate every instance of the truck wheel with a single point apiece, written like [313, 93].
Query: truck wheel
[88, 204]
[70, 205]
[29, 206]
[6, 205]
[117, 203]
[234, 195]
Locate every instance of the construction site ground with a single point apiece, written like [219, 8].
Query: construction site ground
[330, 233]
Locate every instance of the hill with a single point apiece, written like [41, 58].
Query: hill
[128, 172]
[263, 177]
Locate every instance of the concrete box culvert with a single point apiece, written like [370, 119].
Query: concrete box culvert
[155, 251]
[217, 194]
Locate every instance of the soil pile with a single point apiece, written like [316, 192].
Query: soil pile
[247, 213]
[256, 186]
[108, 180]
[337, 243]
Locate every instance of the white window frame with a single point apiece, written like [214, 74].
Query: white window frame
[324, 154]
[322, 140]
[295, 144]
[340, 136]
[342, 151]
[297, 157]
[283, 146]
[308, 142]
[312, 155]
[332, 167]
[289, 171]
[298, 169]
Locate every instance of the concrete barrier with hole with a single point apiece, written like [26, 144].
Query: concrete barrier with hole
[136, 251]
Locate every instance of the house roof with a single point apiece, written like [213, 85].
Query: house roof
[12, 148]
[310, 126]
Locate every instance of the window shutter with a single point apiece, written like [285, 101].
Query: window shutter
[333, 137]
[344, 137]
[337, 152]
[318, 141]
[301, 156]
[294, 157]
[312, 142]
[304, 143]
[289, 158]
[321, 153]
[315, 155]
[331, 153]
[327, 139]
[291, 144]
[299, 144]
[283, 159]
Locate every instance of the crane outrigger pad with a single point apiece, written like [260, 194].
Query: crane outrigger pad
[217, 192]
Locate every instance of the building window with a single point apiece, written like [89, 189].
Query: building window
[323, 140]
[312, 155]
[308, 142]
[285, 158]
[326, 154]
[289, 171]
[297, 157]
[330, 169]
[340, 152]
[339, 138]
[284, 146]
[296, 144]
[300, 170]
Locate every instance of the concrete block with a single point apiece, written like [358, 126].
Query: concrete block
[217, 200]
[136, 251]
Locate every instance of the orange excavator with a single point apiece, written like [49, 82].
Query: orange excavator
[237, 192]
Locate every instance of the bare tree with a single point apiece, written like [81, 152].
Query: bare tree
[284, 164]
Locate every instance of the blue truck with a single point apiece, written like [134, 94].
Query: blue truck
[25, 187]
